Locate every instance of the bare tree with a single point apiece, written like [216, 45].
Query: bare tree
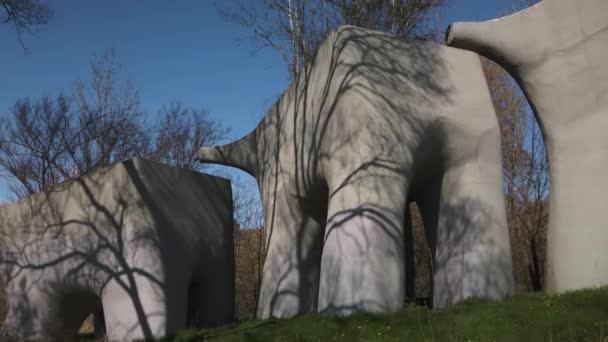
[181, 132]
[109, 124]
[30, 144]
[526, 172]
[249, 246]
[250, 215]
[399, 17]
[296, 28]
[25, 15]
[48, 141]
[249, 249]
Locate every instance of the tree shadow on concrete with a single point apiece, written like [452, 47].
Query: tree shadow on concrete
[373, 124]
[128, 242]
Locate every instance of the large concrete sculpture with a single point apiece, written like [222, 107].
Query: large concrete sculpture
[148, 247]
[557, 50]
[374, 123]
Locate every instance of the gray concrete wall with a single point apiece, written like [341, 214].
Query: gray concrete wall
[149, 244]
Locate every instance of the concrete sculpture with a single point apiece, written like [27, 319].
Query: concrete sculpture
[374, 123]
[557, 51]
[147, 245]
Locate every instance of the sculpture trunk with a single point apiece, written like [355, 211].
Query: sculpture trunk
[557, 50]
[479, 37]
[240, 154]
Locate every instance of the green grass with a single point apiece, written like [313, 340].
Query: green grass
[574, 316]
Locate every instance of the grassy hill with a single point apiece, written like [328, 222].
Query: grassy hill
[574, 316]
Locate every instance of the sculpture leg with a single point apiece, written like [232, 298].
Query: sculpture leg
[42, 307]
[134, 308]
[27, 309]
[290, 275]
[210, 295]
[363, 267]
[472, 255]
[577, 238]
[137, 296]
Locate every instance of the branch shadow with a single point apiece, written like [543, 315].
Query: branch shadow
[128, 241]
[377, 113]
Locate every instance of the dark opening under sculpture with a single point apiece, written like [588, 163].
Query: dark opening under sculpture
[375, 123]
[557, 50]
[145, 246]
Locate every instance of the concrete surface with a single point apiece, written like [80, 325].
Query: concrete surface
[557, 51]
[147, 244]
[374, 123]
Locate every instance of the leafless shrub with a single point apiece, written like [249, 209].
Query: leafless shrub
[48, 141]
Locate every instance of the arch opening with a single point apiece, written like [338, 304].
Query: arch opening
[526, 176]
[81, 313]
[418, 259]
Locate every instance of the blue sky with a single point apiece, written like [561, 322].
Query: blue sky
[171, 50]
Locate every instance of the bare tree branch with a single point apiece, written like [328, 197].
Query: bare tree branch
[296, 28]
[25, 15]
[49, 141]
[526, 173]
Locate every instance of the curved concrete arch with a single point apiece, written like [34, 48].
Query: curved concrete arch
[557, 50]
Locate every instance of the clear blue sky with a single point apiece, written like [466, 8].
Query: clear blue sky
[178, 50]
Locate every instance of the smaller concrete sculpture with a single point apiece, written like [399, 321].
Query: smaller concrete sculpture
[145, 246]
[376, 122]
[557, 50]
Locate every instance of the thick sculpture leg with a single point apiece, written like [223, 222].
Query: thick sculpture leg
[21, 313]
[472, 256]
[291, 268]
[363, 267]
[48, 302]
[465, 221]
[134, 309]
[135, 300]
[207, 298]
[557, 50]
